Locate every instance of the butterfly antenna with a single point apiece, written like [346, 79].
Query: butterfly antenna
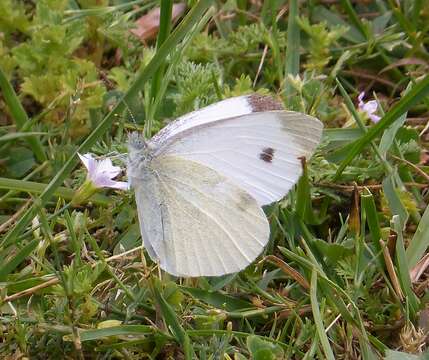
[130, 113]
[114, 155]
[132, 137]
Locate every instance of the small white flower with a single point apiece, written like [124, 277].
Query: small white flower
[101, 172]
[369, 107]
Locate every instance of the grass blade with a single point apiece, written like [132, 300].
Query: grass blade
[318, 318]
[394, 201]
[420, 241]
[403, 268]
[388, 137]
[19, 115]
[368, 204]
[96, 334]
[292, 49]
[17, 259]
[164, 30]
[37, 188]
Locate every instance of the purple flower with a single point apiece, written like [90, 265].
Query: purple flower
[101, 172]
[369, 107]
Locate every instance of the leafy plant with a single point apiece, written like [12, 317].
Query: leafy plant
[334, 281]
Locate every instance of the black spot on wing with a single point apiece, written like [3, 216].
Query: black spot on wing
[267, 154]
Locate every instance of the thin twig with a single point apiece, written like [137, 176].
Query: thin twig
[261, 63]
[118, 256]
[288, 270]
[391, 270]
[32, 290]
[350, 188]
[413, 166]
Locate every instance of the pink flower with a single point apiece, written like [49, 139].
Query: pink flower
[101, 172]
[369, 107]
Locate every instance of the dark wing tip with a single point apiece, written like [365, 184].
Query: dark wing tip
[260, 103]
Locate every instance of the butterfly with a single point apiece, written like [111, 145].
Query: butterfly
[200, 182]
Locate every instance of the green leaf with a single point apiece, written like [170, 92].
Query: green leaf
[17, 259]
[129, 239]
[420, 242]
[173, 323]
[371, 215]
[165, 15]
[342, 134]
[349, 9]
[303, 204]
[217, 299]
[393, 199]
[263, 350]
[333, 252]
[333, 19]
[19, 162]
[399, 355]
[96, 334]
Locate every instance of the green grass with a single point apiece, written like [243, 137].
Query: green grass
[334, 281]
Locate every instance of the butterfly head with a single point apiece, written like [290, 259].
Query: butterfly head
[139, 155]
[136, 142]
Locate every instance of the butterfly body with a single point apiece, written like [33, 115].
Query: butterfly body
[201, 182]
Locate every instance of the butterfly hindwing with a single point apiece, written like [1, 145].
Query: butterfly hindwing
[196, 222]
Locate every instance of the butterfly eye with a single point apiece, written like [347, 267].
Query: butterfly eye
[136, 141]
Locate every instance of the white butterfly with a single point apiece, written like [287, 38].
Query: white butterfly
[201, 181]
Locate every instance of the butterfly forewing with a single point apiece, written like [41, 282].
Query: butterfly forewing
[225, 109]
[260, 152]
[197, 222]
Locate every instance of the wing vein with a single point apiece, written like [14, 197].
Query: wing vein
[216, 222]
[205, 196]
[196, 220]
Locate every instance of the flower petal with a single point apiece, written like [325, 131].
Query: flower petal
[370, 107]
[89, 162]
[361, 96]
[101, 172]
[106, 167]
[375, 118]
[121, 185]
